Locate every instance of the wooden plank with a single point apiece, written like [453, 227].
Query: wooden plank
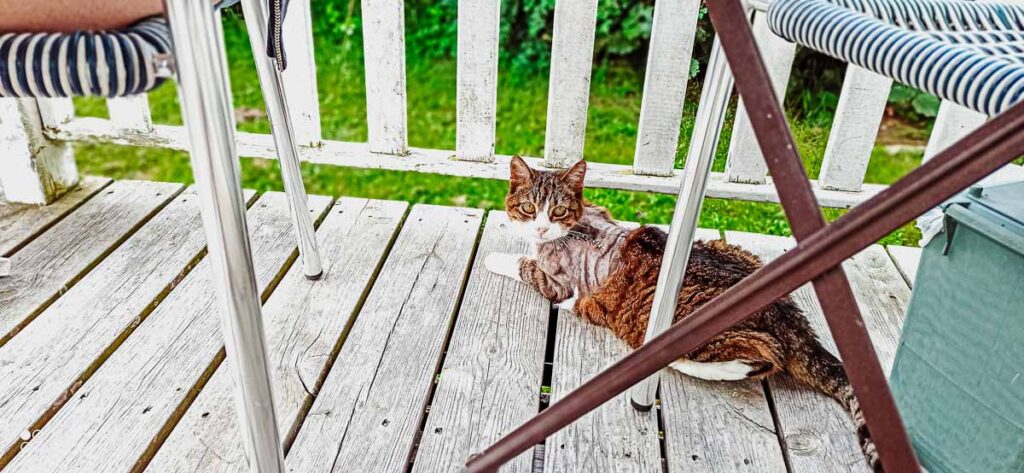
[300, 86]
[384, 53]
[668, 67]
[130, 112]
[54, 261]
[366, 416]
[492, 374]
[746, 163]
[613, 437]
[572, 56]
[717, 426]
[818, 433]
[55, 111]
[907, 259]
[19, 223]
[34, 170]
[305, 321]
[5, 267]
[477, 80]
[43, 365]
[854, 129]
[434, 161]
[139, 392]
[952, 123]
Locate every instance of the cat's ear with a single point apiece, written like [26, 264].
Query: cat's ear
[573, 177]
[521, 174]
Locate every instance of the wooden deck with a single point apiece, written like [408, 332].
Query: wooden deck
[406, 355]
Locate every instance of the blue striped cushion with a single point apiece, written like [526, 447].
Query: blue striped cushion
[108, 64]
[966, 52]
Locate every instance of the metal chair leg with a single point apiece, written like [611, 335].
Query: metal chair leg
[717, 88]
[206, 108]
[284, 135]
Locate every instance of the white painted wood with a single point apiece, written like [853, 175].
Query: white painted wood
[34, 170]
[384, 52]
[952, 123]
[43, 364]
[668, 67]
[51, 263]
[854, 129]
[367, 413]
[818, 432]
[907, 260]
[572, 56]
[717, 426]
[5, 267]
[613, 437]
[300, 85]
[477, 80]
[55, 111]
[123, 407]
[433, 161]
[746, 163]
[130, 112]
[20, 223]
[491, 379]
[305, 320]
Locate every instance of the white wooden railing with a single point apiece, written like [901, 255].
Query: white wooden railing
[841, 181]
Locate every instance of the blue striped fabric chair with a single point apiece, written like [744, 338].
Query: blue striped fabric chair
[970, 53]
[102, 63]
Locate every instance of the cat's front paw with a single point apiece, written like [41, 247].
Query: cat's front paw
[504, 264]
[568, 305]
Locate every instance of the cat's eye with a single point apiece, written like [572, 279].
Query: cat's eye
[559, 211]
[527, 207]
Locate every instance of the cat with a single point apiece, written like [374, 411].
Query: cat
[606, 273]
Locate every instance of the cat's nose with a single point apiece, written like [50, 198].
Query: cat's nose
[542, 230]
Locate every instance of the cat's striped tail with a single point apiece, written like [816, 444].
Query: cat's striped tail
[817, 367]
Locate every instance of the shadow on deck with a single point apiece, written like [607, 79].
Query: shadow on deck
[406, 355]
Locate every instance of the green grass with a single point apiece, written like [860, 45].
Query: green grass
[522, 103]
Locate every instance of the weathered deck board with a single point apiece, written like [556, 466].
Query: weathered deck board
[818, 432]
[907, 259]
[19, 223]
[717, 426]
[613, 437]
[305, 320]
[492, 374]
[48, 265]
[43, 364]
[138, 393]
[374, 397]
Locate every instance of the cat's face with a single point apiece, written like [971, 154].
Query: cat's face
[544, 205]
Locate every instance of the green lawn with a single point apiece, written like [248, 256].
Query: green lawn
[522, 102]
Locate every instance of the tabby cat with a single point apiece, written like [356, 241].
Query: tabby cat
[606, 273]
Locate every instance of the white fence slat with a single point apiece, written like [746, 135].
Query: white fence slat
[384, 51]
[33, 170]
[952, 123]
[477, 80]
[130, 112]
[572, 57]
[299, 78]
[668, 67]
[56, 111]
[858, 116]
[746, 163]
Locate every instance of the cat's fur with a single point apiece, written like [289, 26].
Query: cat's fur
[607, 273]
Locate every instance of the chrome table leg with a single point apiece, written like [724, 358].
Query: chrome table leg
[271, 84]
[718, 83]
[206, 108]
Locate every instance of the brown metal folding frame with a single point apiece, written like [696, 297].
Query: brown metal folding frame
[817, 256]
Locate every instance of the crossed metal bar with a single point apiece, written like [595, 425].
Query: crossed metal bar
[818, 255]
